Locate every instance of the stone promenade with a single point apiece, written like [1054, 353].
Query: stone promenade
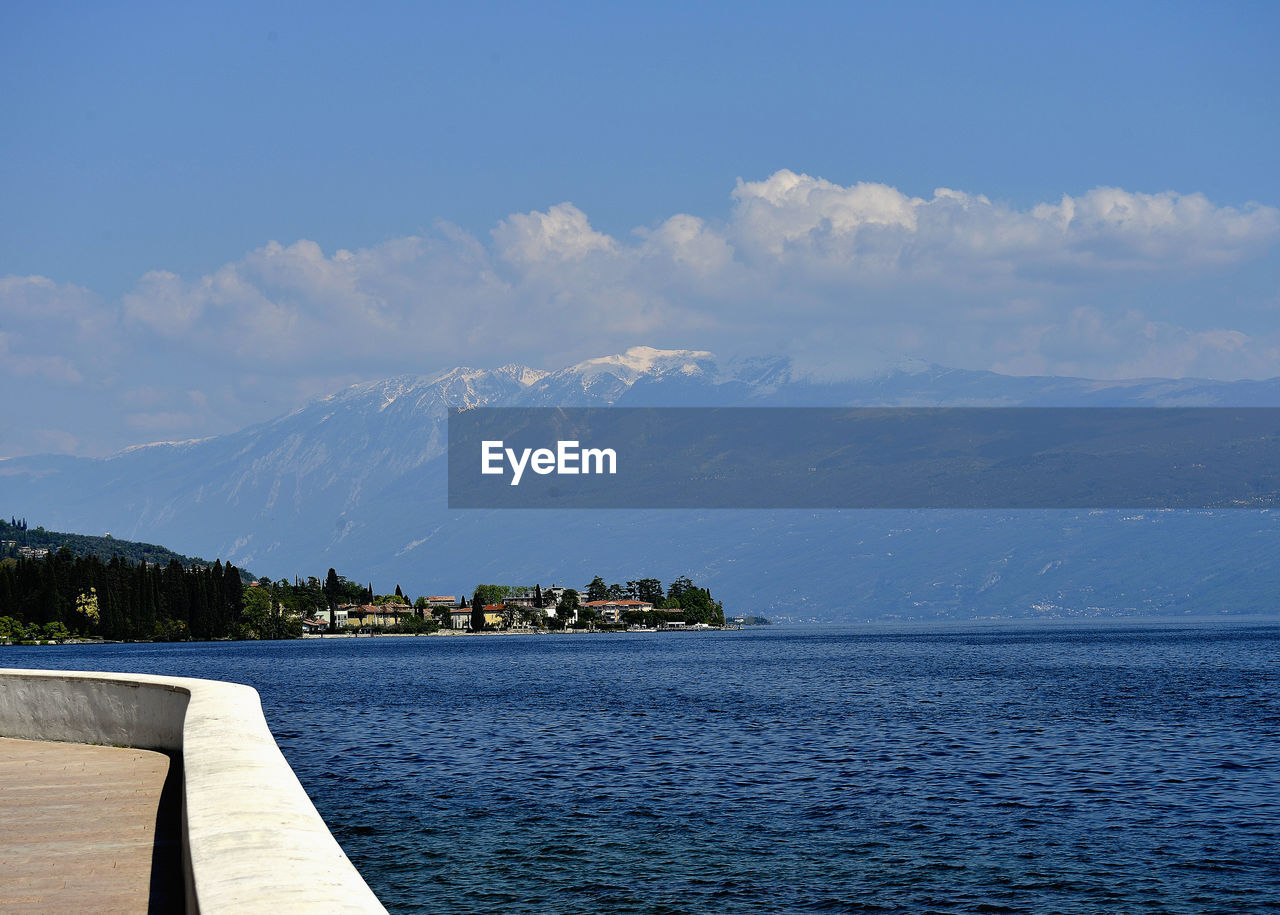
[88, 829]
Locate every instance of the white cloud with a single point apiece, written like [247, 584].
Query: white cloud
[870, 231]
[1119, 229]
[48, 330]
[1089, 284]
[687, 241]
[955, 276]
[788, 209]
[165, 303]
[557, 236]
[38, 298]
[794, 248]
[54, 368]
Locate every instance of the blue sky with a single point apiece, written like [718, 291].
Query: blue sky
[544, 183]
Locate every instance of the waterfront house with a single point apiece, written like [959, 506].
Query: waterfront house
[494, 614]
[550, 599]
[379, 614]
[611, 610]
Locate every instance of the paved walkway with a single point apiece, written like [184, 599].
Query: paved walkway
[88, 829]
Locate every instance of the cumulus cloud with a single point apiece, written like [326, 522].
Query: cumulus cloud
[49, 331]
[868, 230]
[1090, 283]
[35, 298]
[790, 210]
[685, 241]
[791, 246]
[560, 235]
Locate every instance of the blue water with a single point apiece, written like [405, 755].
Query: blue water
[960, 769]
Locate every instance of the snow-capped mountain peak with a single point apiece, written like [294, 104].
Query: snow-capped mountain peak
[643, 360]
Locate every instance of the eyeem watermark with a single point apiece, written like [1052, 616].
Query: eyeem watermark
[568, 459]
[865, 457]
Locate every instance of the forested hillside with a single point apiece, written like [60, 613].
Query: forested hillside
[16, 539]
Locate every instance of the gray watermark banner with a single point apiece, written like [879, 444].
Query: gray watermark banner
[866, 457]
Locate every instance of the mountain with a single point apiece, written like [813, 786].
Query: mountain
[356, 480]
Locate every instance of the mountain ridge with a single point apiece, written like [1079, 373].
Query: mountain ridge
[355, 479]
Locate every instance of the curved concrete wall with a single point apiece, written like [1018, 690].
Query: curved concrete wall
[253, 840]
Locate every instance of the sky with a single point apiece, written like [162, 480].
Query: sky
[208, 215]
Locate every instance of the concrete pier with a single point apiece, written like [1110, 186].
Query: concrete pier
[88, 829]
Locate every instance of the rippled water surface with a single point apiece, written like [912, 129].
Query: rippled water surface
[993, 769]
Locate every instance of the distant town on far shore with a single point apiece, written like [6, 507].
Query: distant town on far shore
[57, 587]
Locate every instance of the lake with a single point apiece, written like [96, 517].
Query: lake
[971, 768]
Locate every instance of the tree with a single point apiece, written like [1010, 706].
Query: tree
[567, 609]
[87, 605]
[232, 599]
[332, 594]
[597, 590]
[416, 624]
[491, 594]
[55, 632]
[678, 588]
[537, 597]
[699, 607]
[647, 589]
[477, 610]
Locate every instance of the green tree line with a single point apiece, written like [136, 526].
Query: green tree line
[117, 599]
[694, 603]
[690, 603]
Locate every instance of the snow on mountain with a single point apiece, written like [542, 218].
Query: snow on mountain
[604, 380]
[643, 360]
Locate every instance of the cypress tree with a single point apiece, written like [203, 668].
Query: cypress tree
[233, 598]
[173, 592]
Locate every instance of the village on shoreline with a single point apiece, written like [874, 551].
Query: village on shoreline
[638, 606]
[63, 588]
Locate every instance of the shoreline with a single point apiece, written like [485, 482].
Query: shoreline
[449, 633]
[445, 633]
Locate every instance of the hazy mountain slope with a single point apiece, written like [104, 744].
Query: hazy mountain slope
[356, 480]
